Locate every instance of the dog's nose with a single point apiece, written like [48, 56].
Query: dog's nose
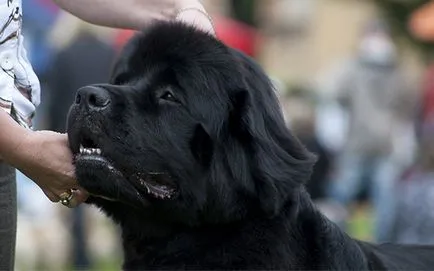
[93, 97]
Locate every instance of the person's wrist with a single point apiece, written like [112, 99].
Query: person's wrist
[21, 153]
[11, 139]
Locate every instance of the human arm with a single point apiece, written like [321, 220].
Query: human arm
[11, 137]
[137, 14]
[44, 156]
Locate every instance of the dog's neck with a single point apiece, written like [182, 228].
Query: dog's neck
[300, 228]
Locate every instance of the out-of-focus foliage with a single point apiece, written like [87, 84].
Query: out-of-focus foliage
[244, 11]
[398, 13]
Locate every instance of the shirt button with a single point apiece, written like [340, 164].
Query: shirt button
[6, 62]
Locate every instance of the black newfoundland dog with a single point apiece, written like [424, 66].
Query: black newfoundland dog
[187, 150]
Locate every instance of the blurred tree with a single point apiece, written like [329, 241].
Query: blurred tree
[398, 14]
[244, 11]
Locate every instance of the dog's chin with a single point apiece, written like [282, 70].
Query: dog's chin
[102, 179]
[94, 162]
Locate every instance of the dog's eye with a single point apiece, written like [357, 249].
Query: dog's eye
[168, 96]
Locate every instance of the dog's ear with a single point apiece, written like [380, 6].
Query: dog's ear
[279, 163]
[201, 146]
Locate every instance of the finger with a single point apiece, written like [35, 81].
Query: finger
[64, 137]
[80, 195]
[69, 180]
[65, 184]
[71, 174]
[73, 203]
[198, 18]
[77, 198]
[51, 196]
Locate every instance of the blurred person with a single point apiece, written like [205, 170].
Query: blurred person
[299, 106]
[420, 22]
[373, 91]
[44, 156]
[417, 186]
[420, 25]
[416, 191]
[37, 248]
[426, 113]
[38, 15]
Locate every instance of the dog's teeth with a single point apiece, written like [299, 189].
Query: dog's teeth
[90, 150]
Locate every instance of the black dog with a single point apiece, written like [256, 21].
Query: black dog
[187, 150]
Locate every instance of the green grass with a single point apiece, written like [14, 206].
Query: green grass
[360, 225]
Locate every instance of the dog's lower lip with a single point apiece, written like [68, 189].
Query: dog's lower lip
[96, 158]
[141, 181]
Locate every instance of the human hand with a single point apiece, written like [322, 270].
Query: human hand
[193, 12]
[137, 15]
[48, 161]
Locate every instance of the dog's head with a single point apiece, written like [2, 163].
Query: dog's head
[187, 127]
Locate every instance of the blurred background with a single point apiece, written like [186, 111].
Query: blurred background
[356, 83]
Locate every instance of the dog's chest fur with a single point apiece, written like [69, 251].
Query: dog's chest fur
[288, 241]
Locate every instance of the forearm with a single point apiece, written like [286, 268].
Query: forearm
[12, 137]
[137, 14]
[134, 14]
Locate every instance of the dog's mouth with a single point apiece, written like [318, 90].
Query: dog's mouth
[159, 185]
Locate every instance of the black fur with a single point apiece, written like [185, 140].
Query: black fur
[222, 141]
